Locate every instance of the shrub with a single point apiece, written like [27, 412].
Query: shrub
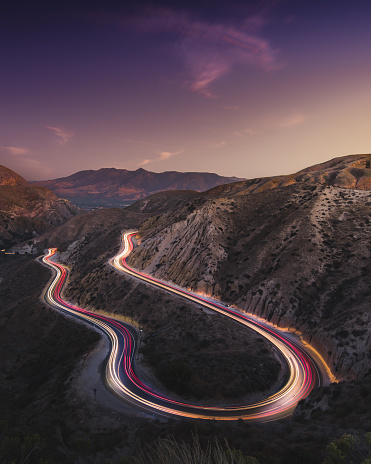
[167, 451]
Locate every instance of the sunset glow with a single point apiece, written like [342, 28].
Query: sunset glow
[241, 89]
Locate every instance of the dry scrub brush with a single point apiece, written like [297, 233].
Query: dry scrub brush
[170, 451]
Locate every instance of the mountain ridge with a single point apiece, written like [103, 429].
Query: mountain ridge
[339, 170]
[297, 254]
[120, 185]
[348, 171]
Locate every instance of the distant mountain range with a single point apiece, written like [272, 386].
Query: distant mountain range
[110, 186]
[351, 172]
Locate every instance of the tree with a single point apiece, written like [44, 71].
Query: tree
[338, 450]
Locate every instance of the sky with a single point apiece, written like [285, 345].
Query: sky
[240, 88]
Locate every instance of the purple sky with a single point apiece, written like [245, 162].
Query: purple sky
[238, 88]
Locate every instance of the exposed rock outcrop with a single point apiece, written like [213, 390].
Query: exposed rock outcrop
[9, 177]
[27, 210]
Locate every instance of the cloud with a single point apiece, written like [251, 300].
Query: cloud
[292, 120]
[144, 162]
[17, 150]
[164, 155]
[220, 144]
[244, 132]
[210, 50]
[63, 135]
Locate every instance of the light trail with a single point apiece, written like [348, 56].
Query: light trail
[304, 374]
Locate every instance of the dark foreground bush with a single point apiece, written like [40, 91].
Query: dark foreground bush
[170, 451]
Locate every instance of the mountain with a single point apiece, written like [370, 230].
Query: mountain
[116, 186]
[307, 241]
[293, 249]
[9, 177]
[28, 210]
[352, 171]
[348, 172]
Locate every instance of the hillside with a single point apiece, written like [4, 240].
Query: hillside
[164, 201]
[110, 186]
[87, 241]
[352, 171]
[28, 210]
[259, 248]
[81, 228]
[9, 177]
[296, 251]
[43, 354]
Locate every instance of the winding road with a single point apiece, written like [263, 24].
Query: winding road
[306, 369]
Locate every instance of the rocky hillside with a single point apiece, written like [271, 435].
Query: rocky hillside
[115, 186]
[192, 352]
[297, 251]
[79, 229]
[164, 201]
[351, 171]
[28, 210]
[186, 358]
[9, 177]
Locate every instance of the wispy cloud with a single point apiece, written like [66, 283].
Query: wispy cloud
[144, 162]
[244, 132]
[220, 144]
[293, 119]
[164, 155]
[63, 135]
[17, 150]
[210, 50]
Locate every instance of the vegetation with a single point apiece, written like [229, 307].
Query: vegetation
[17, 447]
[170, 451]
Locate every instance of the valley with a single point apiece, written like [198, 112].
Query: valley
[295, 252]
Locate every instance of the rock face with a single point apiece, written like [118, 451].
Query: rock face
[296, 252]
[9, 177]
[119, 185]
[27, 211]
